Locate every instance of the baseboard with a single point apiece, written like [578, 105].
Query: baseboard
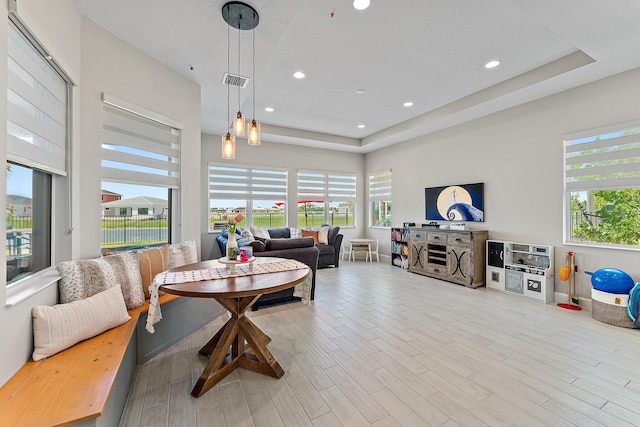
[584, 303]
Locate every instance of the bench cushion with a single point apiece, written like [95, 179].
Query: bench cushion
[152, 261]
[58, 327]
[182, 254]
[84, 278]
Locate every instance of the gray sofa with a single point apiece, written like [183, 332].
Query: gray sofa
[282, 246]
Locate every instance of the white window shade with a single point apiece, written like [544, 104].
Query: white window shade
[326, 186]
[247, 183]
[608, 160]
[36, 108]
[139, 150]
[380, 186]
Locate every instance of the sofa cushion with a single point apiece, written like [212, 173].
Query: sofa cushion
[260, 232]
[152, 261]
[279, 233]
[182, 253]
[295, 233]
[60, 326]
[247, 235]
[279, 244]
[258, 246]
[310, 233]
[326, 249]
[323, 235]
[84, 278]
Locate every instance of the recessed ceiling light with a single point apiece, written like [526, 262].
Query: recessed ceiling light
[408, 104]
[360, 91]
[492, 64]
[361, 4]
[361, 126]
[268, 109]
[299, 75]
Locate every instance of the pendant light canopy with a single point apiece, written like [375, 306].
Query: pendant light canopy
[240, 16]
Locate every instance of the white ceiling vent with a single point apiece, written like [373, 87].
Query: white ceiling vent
[235, 80]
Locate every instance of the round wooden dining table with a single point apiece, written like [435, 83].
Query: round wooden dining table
[239, 343]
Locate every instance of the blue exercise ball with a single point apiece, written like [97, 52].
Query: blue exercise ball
[611, 280]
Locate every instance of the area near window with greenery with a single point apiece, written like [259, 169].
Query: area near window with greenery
[325, 198]
[602, 187]
[380, 198]
[140, 171]
[258, 194]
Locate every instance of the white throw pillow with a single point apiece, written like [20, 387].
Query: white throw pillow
[58, 327]
[260, 232]
[323, 235]
[182, 253]
[296, 233]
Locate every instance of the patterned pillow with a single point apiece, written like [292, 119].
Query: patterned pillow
[296, 233]
[246, 234]
[182, 253]
[152, 261]
[63, 325]
[87, 277]
[260, 232]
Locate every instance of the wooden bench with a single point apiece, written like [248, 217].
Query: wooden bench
[88, 384]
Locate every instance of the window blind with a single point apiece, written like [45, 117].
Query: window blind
[608, 159]
[380, 186]
[326, 186]
[37, 98]
[139, 150]
[247, 183]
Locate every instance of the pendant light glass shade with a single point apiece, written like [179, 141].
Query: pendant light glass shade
[254, 133]
[239, 125]
[228, 147]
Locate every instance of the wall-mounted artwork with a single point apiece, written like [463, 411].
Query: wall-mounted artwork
[455, 203]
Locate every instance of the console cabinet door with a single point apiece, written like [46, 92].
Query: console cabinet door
[459, 264]
[417, 256]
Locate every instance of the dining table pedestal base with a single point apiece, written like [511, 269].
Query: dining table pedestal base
[239, 343]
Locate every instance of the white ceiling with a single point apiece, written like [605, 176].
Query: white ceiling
[431, 52]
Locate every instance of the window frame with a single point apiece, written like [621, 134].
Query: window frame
[246, 184]
[583, 171]
[327, 187]
[380, 191]
[60, 184]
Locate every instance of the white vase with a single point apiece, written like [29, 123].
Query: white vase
[232, 247]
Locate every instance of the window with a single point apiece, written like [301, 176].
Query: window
[36, 144]
[602, 187]
[258, 194]
[380, 198]
[140, 174]
[326, 197]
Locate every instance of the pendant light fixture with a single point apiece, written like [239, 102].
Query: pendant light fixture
[254, 126]
[241, 16]
[228, 141]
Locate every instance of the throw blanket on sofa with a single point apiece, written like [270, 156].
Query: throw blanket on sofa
[154, 314]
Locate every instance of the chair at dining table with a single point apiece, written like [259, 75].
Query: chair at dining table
[373, 250]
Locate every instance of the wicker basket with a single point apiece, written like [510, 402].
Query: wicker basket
[611, 309]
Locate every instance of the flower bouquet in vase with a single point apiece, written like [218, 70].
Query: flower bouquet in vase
[232, 244]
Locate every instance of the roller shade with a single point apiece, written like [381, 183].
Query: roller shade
[380, 186]
[139, 150]
[326, 186]
[247, 183]
[603, 160]
[37, 98]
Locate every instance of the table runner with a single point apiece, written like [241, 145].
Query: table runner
[154, 314]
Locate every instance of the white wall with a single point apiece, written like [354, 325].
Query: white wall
[290, 157]
[518, 154]
[97, 62]
[114, 67]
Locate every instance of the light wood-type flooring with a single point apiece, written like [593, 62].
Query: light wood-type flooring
[384, 347]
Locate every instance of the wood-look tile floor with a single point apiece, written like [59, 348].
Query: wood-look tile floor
[384, 347]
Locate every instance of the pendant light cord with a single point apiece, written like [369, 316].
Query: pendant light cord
[228, 69]
[239, 36]
[253, 48]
